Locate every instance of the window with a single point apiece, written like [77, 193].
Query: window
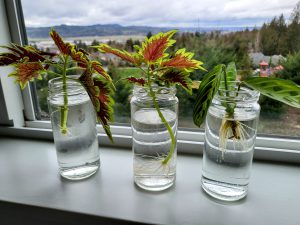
[216, 34]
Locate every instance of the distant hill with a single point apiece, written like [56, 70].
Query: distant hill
[112, 29]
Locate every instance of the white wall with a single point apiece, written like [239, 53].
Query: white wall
[12, 93]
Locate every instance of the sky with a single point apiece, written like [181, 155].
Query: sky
[161, 13]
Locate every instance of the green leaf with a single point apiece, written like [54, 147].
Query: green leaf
[208, 88]
[231, 74]
[285, 91]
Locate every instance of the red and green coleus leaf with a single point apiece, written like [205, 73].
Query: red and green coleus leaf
[180, 77]
[27, 72]
[19, 54]
[64, 48]
[99, 69]
[137, 81]
[154, 48]
[182, 60]
[105, 113]
[78, 55]
[100, 92]
[133, 58]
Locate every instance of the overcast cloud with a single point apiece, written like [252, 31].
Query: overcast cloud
[188, 13]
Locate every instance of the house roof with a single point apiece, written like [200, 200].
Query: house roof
[280, 67]
[263, 63]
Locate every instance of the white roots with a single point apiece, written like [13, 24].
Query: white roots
[153, 165]
[233, 130]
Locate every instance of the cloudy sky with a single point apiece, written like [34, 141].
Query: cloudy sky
[175, 13]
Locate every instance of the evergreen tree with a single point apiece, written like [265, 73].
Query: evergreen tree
[291, 69]
[149, 35]
[129, 45]
[293, 31]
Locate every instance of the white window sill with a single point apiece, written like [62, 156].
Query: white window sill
[32, 192]
[189, 142]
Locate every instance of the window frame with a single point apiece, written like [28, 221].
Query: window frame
[267, 147]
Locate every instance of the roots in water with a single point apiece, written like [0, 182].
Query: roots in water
[152, 165]
[235, 131]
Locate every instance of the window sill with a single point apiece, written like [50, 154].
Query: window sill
[188, 142]
[32, 192]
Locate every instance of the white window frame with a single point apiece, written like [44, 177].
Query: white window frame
[267, 147]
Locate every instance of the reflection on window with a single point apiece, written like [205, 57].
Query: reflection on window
[267, 47]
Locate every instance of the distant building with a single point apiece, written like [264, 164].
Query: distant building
[266, 70]
[257, 57]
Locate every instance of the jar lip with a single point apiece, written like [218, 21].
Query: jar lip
[155, 86]
[59, 79]
[55, 86]
[159, 90]
[238, 94]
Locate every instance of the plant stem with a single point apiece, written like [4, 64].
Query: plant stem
[163, 119]
[225, 81]
[229, 108]
[64, 108]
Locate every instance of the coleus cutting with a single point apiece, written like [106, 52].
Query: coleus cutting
[225, 79]
[30, 64]
[158, 67]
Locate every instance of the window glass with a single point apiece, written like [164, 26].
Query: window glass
[263, 39]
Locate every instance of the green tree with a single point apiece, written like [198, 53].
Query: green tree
[291, 69]
[271, 35]
[293, 30]
[149, 35]
[129, 45]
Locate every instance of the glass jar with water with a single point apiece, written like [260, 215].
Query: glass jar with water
[77, 145]
[151, 138]
[230, 132]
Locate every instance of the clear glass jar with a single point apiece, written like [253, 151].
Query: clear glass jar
[77, 145]
[229, 143]
[151, 139]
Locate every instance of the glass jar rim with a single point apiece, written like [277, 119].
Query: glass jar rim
[238, 94]
[73, 86]
[161, 90]
[59, 79]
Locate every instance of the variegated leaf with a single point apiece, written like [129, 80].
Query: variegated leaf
[180, 77]
[154, 48]
[19, 54]
[138, 81]
[285, 91]
[64, 48]
[133, 58]
[27, 72]
[207, 90]
[99, 92]
[182, 60]
[79, 56]
[99, 69]
[105, 114]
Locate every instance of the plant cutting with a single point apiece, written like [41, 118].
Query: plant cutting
[154, 105]
[74, 101]
[231, 111]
